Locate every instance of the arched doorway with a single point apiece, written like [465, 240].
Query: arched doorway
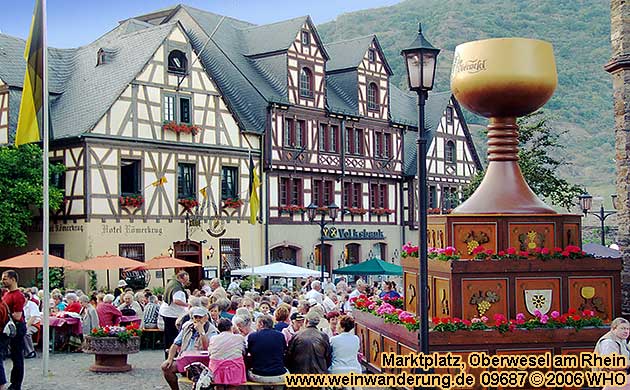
[190, 251]
[285, 254]
[324, 254]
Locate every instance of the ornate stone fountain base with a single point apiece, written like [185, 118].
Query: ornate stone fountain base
[110, 353]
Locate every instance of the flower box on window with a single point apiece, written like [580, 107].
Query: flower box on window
[382, 211]
[131, 200]
[181, 128]
[232, 203]
[322, 210]
[188, 203]
[435, 210]
[356, 211]
[292, 209]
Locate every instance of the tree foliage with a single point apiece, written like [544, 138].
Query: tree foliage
[539, 161]
[21, 191]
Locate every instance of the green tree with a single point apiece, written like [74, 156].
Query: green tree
[539, 159]
[21, 191]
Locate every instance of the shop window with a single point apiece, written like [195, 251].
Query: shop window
[230, 252]
[284, 254]
[326, 253]
[353, 252]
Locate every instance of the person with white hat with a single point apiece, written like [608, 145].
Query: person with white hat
[120, 289]
[192, 337]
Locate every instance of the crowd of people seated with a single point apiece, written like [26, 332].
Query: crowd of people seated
[263, 337]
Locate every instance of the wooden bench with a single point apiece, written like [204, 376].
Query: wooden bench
[186, 384]
[154, 334]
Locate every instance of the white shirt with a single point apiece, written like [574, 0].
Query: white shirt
[316, 295]
[31, 310]
[329, 305]
[173, 310]
[345, 350]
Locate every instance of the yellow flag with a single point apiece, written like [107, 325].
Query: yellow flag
[159, 181]
[33, 89]
[254, 183]
[203, 192]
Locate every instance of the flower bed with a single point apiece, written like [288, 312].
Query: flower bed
[511, 253]
[188, 203]
[181, 128]
[123, 333]
[382, 211]
[232, 203]
[131, 201]
[395, 315]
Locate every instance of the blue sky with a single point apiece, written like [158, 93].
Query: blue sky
[73, 23]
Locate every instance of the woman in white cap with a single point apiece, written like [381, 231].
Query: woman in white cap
[120, 289]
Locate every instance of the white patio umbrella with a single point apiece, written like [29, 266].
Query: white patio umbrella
[279, 269]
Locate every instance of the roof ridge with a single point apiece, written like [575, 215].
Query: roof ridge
[350, 39]
[255, 26]
[215, 14]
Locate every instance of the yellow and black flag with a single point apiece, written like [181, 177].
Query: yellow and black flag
[28, 127]
[254, 183]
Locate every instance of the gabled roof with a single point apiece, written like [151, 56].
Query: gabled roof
[81, 92]
[348, 54]
[276, 37]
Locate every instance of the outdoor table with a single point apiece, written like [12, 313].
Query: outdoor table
[187, 357]
[126, 320]
[73, 324]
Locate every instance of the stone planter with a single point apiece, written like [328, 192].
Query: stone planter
[110, 353]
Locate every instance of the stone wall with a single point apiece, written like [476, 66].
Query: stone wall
[619, 68]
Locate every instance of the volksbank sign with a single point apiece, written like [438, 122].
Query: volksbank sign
[334, 234]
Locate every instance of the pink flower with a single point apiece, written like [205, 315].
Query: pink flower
[484, 319]
[501, 253]
[544, 319]
[555, 315]
[566, 253]
[520, 317]
[449, 251]
[489, 252]
[523, 253]
[537, 313]
[511, 251]
[475, 320]
[545, 251]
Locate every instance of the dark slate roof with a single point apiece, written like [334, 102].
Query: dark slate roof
[246, 87]
[339, 88]
[434, 109]
[348, 54]
[13, 65]
[273, 37]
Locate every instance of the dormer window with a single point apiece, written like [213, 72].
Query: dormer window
[306, 83]
[177, 62]
[306, 38]
[372, 97]
[372, 55]
[104, 56]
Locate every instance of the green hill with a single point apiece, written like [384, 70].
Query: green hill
[578, 29]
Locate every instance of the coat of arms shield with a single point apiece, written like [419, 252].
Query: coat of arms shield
[538, 300]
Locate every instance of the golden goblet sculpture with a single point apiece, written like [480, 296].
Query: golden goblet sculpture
[502, 79]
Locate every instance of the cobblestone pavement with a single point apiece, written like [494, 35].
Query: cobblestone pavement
[70, 372]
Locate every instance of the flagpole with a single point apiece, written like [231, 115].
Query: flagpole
[46, 213]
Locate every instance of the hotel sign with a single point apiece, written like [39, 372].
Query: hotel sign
[336, 234]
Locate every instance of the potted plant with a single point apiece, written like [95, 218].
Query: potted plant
[356, 211]
[232, 203]
[188, 203]
[382, 211]
[292, 209]
[135, 200]
[111, 345]
[180, 128]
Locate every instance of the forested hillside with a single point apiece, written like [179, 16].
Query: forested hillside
[578, 29]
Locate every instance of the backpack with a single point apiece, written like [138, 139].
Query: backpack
[9, 329]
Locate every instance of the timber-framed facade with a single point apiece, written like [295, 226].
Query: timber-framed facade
[174, 103]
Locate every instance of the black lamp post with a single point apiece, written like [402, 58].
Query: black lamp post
[421, 59]
[311, 212]
[586, 201]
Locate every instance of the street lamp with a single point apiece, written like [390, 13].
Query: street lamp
[420, 60]
[170, 251]
[586, 201]
[333, 212]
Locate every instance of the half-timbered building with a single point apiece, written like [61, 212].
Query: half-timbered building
[168, 107]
